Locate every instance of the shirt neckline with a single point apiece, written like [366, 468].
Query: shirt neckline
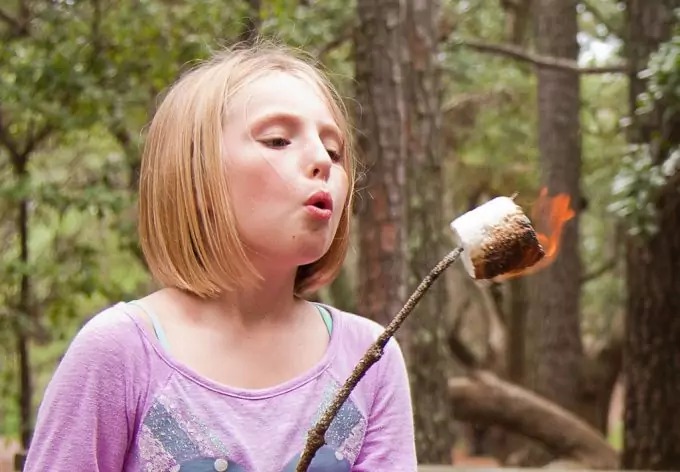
[253, 394]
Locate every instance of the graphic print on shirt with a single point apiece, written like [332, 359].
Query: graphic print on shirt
[343, 438]
[172, 438]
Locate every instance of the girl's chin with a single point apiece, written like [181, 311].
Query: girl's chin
[298, 254]
[312, 254]
[311, 258]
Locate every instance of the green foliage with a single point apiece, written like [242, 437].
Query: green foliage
[322, 28]
[489, 120]
[85, 78]
[602, 20]
[90, 73]
[647, 166]
[635, 184]
[663, 74]
[603, 105]
[87, 75]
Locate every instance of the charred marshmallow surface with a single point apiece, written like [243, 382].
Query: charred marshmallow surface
[497, 238]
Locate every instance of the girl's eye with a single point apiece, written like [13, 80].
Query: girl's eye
[335, 155]
[276, 142]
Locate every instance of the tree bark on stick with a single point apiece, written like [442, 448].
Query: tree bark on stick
[316, 436]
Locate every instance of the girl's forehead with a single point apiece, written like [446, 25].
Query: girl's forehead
[285, 91]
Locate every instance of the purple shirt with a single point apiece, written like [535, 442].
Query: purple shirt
[118, 402]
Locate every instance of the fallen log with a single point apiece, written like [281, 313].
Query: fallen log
[482, 397]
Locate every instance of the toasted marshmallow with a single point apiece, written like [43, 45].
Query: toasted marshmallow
[497, 238]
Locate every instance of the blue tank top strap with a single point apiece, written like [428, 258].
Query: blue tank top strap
[157, 327]
[327, 318]
[162, 339]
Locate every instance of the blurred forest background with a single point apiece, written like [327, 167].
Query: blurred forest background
[455, 102]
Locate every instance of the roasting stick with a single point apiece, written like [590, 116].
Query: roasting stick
[493, 239]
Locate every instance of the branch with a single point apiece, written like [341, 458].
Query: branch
[496, 335]
[7, 141]
[603, 269]
[482, 397]
[11, 21]
[35, 139]
[538, 60]
[460, 350]
[252, 23]
[338, 40]
[599, 16]
[315, 437]
[482, 98]
[608, 355]
[18, 26]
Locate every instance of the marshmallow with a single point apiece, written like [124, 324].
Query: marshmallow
[497, 238]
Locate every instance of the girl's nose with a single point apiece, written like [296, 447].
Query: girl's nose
[321, 163]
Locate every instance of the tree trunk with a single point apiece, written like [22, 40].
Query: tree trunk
[427, 356]
[381, 145]
[24, 319]
[555, 291]
[554, 348]
[652, 346]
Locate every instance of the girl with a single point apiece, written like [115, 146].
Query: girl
[245, 196]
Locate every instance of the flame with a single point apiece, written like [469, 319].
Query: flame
[548, 216]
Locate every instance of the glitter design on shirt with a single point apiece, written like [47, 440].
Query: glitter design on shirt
[171, 436]
[208, 441]
[347, 430]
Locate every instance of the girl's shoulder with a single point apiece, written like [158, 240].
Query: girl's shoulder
[113, 331]
[101, 383]
[114, 347]
[357, 331]
[355, 335]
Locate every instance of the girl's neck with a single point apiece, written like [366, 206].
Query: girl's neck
[271, 302]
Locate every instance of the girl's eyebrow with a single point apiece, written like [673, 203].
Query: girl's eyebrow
[293, 119]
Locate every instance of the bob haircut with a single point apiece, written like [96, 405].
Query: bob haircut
[188, 233]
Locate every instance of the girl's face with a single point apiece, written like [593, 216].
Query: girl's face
[287, 182]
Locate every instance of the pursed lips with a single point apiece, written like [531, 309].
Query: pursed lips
[321, 199]
[320, 205]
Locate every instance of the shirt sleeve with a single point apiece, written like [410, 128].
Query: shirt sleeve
[87, 415]
[389, 443]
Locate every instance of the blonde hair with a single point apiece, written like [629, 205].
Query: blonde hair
[187, 228]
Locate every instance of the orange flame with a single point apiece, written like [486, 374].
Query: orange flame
[548, 215]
